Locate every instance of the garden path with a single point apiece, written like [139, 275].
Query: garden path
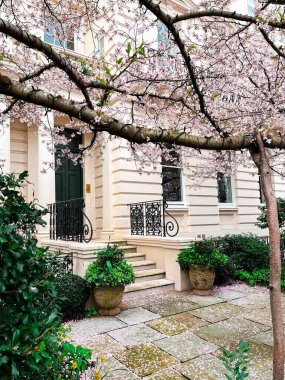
[176, 335]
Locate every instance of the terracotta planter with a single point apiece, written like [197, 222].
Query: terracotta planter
[108, 299]
[202, 280]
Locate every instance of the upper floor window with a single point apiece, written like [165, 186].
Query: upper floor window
[50, 38]
[162, 34]
[250, 7]
[99, 45]
[171, 177]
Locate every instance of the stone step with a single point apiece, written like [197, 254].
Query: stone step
[128, 248]
[134, 256]
[147, 287]
[149, 275]
[143, 265]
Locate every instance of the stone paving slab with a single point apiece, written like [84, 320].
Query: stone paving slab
[136, 316]
[204, 367]
[167, 374]
[203, 300]
[103, 345]
[174, 306]
[177, 323]
[90, 327]
[253, 301]
[227, 293]
[231, 330]
[133, 335]
[185, 346]
[218, 312]
[146, 359]
[265, 337]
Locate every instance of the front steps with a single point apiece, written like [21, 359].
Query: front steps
[148, 279]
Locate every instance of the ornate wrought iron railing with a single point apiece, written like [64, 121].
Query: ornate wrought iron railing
[152, 219]
[69, 222]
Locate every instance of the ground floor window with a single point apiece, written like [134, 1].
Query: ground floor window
[225, 189]
[171, 177]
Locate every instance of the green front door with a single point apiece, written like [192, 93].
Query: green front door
[68, 177]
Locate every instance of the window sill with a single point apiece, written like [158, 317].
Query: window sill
[228, 209]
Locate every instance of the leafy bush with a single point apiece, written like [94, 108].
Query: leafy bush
[73, 293]
[201, 254]
[110, 268]
[259, 277]
[30, 333]
[262, 219]
[246, 251]
[236, 362]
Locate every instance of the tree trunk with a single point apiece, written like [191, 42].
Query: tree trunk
[261, 160]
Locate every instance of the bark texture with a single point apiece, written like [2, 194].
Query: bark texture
[261, 160]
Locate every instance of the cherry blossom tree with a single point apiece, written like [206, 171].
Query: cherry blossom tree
[205, 79]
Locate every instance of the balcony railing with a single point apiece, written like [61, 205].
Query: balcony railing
[152, 219]
[68, 221]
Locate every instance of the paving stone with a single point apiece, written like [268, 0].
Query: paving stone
[146, 359]
[218, 312]
[227, 293]
[203, 300]
[113, 370]
[265, 337]
[204, 367]
[244, 288]
[262, 316]
[177, 323]
[136, 316]
[133, 335]
[103, 345]
[253, 301]
[233, 329]
[167, 374]
[174, 306]
[185, 346]
[90, 327]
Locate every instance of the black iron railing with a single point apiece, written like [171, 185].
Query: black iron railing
[152, 219]
[69, 222]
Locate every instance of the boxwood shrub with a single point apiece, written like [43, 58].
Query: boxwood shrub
[73, 292]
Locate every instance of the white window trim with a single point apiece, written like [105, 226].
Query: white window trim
[75, 51]
[231, 205]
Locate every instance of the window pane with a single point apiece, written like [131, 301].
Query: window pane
[48, 34]
[225, 193]
[250, 7]
[171, 184]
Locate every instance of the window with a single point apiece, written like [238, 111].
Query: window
[250, 7]
[225, 189]
[50, 38]
[99, 46]
[162, 34]
[171, 177]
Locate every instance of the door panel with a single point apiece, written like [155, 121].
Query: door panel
[69, 177]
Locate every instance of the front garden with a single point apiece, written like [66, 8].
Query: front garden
[167, 336]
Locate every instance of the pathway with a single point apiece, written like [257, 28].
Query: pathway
[176, 335]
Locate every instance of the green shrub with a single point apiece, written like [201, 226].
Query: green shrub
[236, 361]
[259, 277]
[73, 293]
[201, 254]
[110, 268]
[262, 219]
[246, 251]
[30, 333]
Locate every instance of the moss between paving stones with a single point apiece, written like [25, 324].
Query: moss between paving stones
[145, 359]
[177, 323]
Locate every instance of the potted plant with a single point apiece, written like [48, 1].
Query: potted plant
[109, 274]
[202, 259]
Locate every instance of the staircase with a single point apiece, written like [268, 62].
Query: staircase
[148, 279]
